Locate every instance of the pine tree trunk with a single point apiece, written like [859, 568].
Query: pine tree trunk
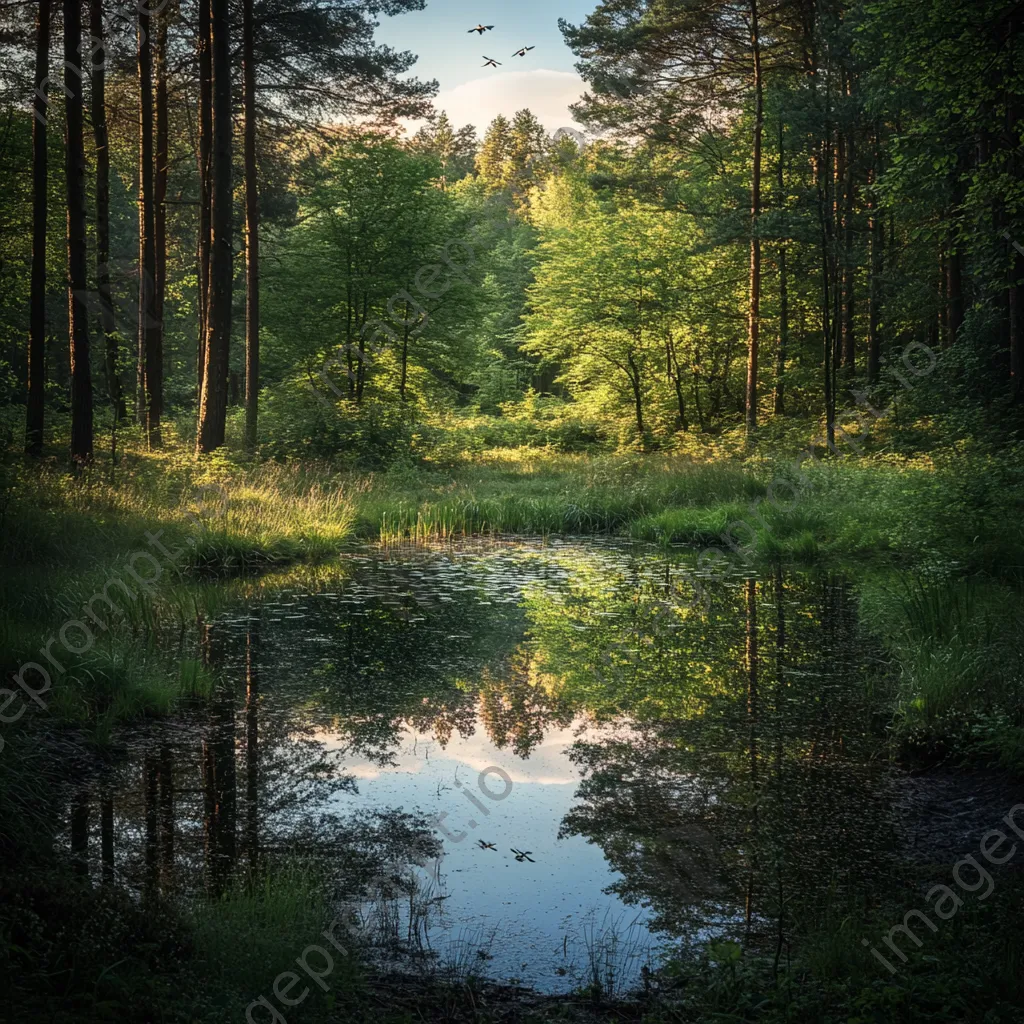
[74, 168]
[148, 411]
[638, 403]
[876, 231]
[205, 150]
[849, 263]
[754, 311]
[35, 412]
[783, 343]
[214, 400]
[822, 162]
[160, 172]
[838, 178]
[404, 376]
[943, 318]
[100, 135]
[954, 294]
[252, 234]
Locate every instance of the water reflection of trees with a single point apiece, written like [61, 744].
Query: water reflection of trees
[750, 742]
[734, 775]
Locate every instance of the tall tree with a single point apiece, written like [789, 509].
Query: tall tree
[214, 398]
[754, 306]
[876, 237]
[455, 150]
[527, 146]
[492, 161]
[74, 174]
[205, 149]
[149, 387]
[160, 174]
[252, 231]
[849, 265]
[97, 30]
[37, 299]
[783, 340]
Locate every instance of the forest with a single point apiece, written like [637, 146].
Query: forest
[675, 453]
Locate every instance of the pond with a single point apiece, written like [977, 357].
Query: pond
[566, 757]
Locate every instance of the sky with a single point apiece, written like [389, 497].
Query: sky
[544, 80]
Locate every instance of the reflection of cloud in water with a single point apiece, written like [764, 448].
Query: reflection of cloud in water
[419, 753]
[534, 907]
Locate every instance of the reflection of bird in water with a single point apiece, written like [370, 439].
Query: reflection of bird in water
[480, 29]
[522, 51]
[485, 846]
[522, 855]
[491, 62]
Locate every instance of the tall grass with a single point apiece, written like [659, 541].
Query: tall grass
[255, 930]
[959, 654]
[515, 492]
[143, 534]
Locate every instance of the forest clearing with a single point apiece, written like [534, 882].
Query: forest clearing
[524, 541]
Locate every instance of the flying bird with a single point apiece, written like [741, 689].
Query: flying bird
[523, 51]
[522, 855]
[480, 29]
[485, 846]
[491, 62]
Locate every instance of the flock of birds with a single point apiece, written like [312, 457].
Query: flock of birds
[491, 62]
[521, 855]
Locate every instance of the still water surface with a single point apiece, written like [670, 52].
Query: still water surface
[608, 766]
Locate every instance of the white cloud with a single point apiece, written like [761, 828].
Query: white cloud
[547, 93]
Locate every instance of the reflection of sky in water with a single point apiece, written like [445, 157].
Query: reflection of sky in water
[537, 912]
[496, 649]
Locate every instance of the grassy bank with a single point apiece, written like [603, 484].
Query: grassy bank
[96, 565]
[947, 530]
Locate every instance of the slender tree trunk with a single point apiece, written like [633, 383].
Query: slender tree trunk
[405, 356]
[783, 344]
[78, 310]
[160, 173]
[638, 404]
[954, 294]
[754, 312]
[825, 218]
[149, 397]
[677, 383]
[100, 135]
[214, 401]
[849, 262]
[876, 231]
[205, 120]
[838, 178]
[34, 418]
[252, 233]
[943, 317]
[361, 348]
